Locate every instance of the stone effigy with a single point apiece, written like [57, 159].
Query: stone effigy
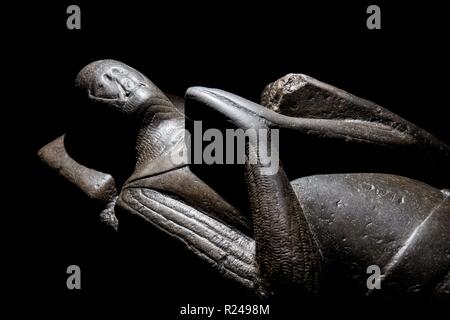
[304, 233]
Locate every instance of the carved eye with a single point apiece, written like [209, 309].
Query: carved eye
[107, 76]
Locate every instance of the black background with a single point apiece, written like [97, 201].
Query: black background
[233, 46]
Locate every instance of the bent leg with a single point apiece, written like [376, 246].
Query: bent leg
[287, 254]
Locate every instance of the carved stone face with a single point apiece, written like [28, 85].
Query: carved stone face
[115, 84]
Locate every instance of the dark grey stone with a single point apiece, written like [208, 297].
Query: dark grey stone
[307, 235]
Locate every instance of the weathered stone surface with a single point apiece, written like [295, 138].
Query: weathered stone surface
[315, 233]
[95, 184]
[298, 95]
[393, 220]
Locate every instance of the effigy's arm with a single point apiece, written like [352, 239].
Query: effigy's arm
[287, 254]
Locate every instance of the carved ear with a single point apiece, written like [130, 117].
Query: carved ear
[301, 96]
